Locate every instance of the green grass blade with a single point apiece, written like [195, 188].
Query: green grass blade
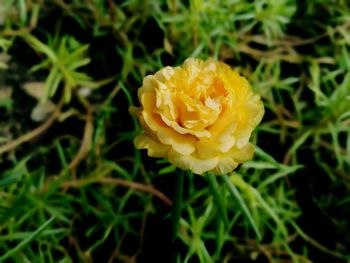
[41, 47]
[317, 245]
[8, 181]
[26, 241]
[218, 197]
[177, 203]
[280, 174]
[238, 197]
[270, 211]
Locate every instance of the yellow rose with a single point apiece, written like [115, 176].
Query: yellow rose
[199, 116]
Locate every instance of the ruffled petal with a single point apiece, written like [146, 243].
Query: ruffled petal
[243, 154]
[207, 149]
[135, 111]
[195, 164]
[147, 86]
[229, 161]
[198, 133]
[182, 143]
[154, 149]
[225, 165]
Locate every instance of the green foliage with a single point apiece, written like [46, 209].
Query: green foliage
[74, 189]
[63, 60]
[64, 63]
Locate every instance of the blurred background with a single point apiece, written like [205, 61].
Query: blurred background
[74, 189]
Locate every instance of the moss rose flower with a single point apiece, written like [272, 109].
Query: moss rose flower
[199, 116]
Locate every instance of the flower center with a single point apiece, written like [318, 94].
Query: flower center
[201, 106]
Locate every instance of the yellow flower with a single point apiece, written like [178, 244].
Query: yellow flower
[199, 116]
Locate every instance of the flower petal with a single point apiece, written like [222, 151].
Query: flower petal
[229, 161]
[225, 165]
[243, 154]
[195, 164]
[154, 149]
[182, 143]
